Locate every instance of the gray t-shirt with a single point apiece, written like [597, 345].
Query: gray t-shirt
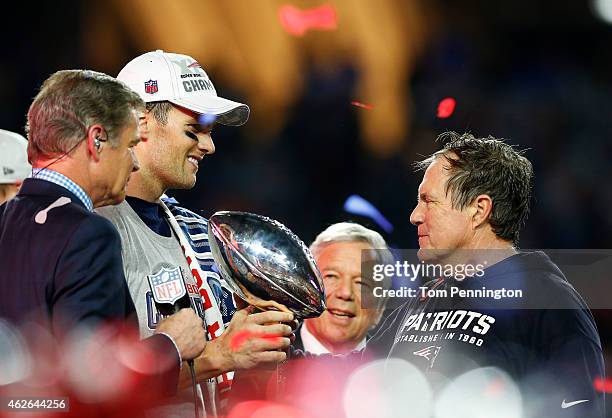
[146, 253]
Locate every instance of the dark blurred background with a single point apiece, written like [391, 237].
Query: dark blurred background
[536, 72]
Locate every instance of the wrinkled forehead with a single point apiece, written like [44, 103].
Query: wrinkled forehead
[438, 172]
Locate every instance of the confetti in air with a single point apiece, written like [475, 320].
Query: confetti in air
[603, 385]
[297, 22]
[362, 105]
[357, 205]
[207, 119]
[446, 107]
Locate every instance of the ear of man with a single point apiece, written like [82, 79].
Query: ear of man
[94, 141]
[144, 120]
[480, 210]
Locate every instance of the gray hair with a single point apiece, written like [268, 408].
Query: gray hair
[487, 166]
[69, 102]
[353, 232]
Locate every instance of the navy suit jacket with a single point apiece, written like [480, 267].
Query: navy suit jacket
[67, 270]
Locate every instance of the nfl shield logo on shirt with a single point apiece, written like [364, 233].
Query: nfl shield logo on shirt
[167, 285]
[151, 86]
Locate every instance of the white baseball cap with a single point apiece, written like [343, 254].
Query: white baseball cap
[159, 76]
[14, 164]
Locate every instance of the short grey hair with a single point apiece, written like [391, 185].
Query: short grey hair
[352, 232]
[69, 102]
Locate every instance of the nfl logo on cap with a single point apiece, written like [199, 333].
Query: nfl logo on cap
[167, 285]
[151, 86]
[180, 80]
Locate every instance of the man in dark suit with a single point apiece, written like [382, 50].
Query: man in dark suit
[61, 263]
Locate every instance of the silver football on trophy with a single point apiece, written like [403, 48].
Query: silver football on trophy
[266, 264]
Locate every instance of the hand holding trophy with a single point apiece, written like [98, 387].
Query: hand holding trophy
[267, 266]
